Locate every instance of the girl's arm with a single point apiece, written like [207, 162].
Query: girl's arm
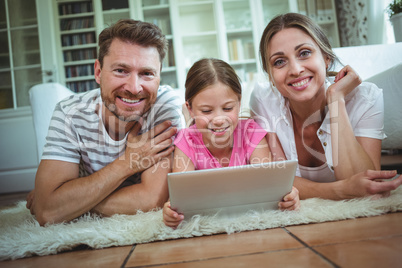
[350, 155]
[181, 163]
[261, 153]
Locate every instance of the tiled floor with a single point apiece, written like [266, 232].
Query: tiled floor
[363, 242]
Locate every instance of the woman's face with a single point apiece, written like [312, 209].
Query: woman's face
[297, 66]
[215, 110]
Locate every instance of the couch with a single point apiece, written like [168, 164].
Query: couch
[382, 65]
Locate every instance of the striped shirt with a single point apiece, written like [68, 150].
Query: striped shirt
[77, 133]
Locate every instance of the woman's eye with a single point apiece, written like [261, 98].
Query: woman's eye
[279, 62]
[305, 53]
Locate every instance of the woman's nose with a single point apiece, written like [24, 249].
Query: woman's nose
[295, 67]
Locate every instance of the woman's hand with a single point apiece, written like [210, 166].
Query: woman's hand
[291, 201]
[345, 81]
[170, 217]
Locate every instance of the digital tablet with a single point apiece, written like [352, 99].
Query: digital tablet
[231, 190]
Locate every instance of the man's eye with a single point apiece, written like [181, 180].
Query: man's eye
[120, 71]
[148, 73]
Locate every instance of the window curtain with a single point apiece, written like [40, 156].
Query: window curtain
[362, 22]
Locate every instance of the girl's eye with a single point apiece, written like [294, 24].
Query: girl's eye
[228, 109]
[206, 111]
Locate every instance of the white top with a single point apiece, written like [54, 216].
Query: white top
[364, 106]
[77, 133]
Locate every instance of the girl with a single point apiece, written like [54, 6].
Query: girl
[218, 138]
[333, 129]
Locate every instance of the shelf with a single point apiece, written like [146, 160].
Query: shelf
[196, 18]
[168, 69]
[77, 16]
[78, 47]
[116, 11]
[74, 31]
[81, 62]
[80, 78]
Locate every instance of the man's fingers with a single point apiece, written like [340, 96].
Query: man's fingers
[158, 129]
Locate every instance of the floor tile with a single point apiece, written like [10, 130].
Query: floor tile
[9, 199]
[349, 230]
[285, 258]
[206, 247]
[108, 258]
[382, 252]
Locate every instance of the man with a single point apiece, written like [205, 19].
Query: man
[108, 150]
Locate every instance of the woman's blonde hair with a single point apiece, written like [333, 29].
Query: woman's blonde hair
[298, 21]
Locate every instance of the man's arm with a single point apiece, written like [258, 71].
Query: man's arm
[61, 196]
[151, 193]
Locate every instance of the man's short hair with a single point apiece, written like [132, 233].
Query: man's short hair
[135, 32]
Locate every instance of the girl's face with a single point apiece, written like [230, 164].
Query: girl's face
[215, 111]
[298, 67]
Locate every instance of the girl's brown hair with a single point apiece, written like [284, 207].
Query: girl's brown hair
[207, 72]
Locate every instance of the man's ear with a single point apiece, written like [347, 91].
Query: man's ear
[98, 71]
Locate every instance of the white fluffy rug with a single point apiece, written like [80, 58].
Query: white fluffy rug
[21, 236]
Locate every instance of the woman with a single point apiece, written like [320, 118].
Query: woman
[335, 128]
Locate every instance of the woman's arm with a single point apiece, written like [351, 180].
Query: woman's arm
[359, 185]
[350, 155]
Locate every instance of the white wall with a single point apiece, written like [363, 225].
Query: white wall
[18, 158]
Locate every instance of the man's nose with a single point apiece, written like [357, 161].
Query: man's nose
[134, 84]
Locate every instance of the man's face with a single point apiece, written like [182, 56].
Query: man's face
[129, 79]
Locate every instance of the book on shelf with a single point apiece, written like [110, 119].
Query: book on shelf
[81, 54]
[241, 49]
[82, 86]
[169, 60]
[162, 23]
[75, 8]
[302, 6]
[79, 70]
[75, 24]
[78, 39]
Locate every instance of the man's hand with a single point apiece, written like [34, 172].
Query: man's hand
[143, 151]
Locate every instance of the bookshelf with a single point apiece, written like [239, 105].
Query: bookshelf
[77, 40]
[225, 29]
[323, 12]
